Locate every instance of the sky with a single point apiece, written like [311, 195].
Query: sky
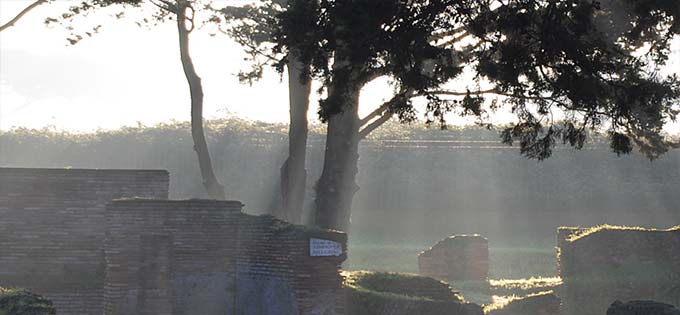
[126, 75]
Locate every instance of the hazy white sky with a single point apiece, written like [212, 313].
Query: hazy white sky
[127, 74]
[124, 75]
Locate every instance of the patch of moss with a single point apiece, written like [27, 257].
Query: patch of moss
[361, 301]
[500, 291]
[502, 303]
[526, 284]
[579, 234]
[401, 285]
[22, 302]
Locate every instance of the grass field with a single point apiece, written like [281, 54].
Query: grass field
[524, 264]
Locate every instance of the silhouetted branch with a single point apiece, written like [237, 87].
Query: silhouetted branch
[21, 14]
[454, 40]
[384, 113]
[165, 5]
[489, 91]
[443, 35]
[377, 112]
[375, 124]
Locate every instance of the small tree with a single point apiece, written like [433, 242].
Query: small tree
[251, 27]
[183, 12]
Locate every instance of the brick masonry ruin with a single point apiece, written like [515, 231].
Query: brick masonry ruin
[459, 257]
[52, 229]
[601, 265]
[58, 237]
[206, 257]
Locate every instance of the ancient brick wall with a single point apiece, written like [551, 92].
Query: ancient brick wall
[162, 252]
[274, 256]
[460, 257]
[52, 229]
[206, 257]
[615, 263]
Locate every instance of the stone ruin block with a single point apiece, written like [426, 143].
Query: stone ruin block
[607, 263]
[458, 257]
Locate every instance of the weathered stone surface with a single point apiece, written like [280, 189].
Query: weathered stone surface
[459, 257]
[538, 304]
[383, 293]
[642, 308]
[269, 296]
[608, 263]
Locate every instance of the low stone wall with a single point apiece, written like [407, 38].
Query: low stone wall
[459, 257]
[52, 229]
[384, 293]
[206, 257]
[604, 264]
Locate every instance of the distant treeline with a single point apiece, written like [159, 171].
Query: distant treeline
[417, 184]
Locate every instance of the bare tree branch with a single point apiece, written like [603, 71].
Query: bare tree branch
[21, 14]
[454, 40]
[375, 124]
[489, 91]
[377, 112]
[384, 113]
[452, 32]
[166, 5]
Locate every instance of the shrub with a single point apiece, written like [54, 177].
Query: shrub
[23, 302]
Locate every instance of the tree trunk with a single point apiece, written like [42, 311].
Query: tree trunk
[337, 185]
[293, 172]
[214, 189]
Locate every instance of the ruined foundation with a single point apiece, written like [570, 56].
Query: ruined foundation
[605, 264]
[206, 257]
[459, 257]
[62, 236]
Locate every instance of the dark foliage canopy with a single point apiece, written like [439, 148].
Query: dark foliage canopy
[562, 68]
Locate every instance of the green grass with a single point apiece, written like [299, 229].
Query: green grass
[377, 292]
[581, 234]
[410, 285]
[534, 269]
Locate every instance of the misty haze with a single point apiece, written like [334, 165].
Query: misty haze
[337, 157]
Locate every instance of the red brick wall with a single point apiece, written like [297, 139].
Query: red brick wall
[242, 263]
[52, 229]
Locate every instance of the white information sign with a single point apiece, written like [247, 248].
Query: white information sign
[321, 248]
